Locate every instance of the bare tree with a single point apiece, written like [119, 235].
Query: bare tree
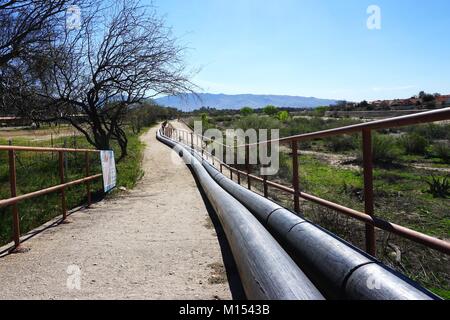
[26, 24]
[27, 28]
[121, 57]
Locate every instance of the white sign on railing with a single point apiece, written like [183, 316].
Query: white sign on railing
[109, 170]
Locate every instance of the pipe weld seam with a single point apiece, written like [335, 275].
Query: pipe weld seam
[270, 214]
[350, 273]
[297, 224]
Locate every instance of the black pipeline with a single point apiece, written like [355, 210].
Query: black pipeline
[267, 272]
[337, 268]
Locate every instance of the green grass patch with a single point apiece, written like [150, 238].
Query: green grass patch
[445, 294]
[36, 171]
[129, 170]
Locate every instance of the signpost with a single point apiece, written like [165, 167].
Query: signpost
[109, 170]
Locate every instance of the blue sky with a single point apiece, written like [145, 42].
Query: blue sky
[319, 48]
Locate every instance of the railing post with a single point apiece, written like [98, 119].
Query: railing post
[66, 159]
[266, 187]
[368, 189]
[15, 208]
[247, 166]
[231, 173]
[63, 192]
[295, 179]
[221, 168]
[88, 183]
[239, 177]
[192, 142]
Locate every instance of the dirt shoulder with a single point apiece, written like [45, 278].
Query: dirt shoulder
[153, 242]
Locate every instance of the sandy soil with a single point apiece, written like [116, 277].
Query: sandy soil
[155, 242]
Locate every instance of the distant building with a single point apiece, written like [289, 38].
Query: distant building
[377, 103]
[443, 100]
[401, 102]
[412, 103]
[415, 101]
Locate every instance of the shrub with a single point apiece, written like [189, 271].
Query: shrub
[255, 122]
[414, 143]
[320, 111]
[246, 111]
[285, 171]
[204, 118]
[438, 188]
[431, 131]
[283, 116]
[384, 150]
[270, 110]
[441, 150]
[305, 145]
[340, 143]
[304, 125]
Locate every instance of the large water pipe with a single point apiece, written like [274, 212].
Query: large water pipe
[267, 272]
[338, 269]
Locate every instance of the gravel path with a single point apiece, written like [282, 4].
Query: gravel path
[155, 242]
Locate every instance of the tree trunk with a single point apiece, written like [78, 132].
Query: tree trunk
[122, 140]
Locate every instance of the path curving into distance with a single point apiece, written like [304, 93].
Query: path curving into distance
[154, 242]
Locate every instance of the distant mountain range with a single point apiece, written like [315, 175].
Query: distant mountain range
[223, 101]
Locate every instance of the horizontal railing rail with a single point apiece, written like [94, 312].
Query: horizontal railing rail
[11, 201]
[15, 199]
[368, 216]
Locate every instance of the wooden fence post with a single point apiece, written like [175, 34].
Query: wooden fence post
[368, 189]
[88, 183]
[13, 187]
[295, 176]
[63, 192]
[247, 166]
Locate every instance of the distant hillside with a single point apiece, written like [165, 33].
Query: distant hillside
[223, 101]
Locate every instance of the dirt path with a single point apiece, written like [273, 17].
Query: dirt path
[155, 242]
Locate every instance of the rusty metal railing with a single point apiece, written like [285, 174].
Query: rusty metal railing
[15, 199]
[368, 216]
